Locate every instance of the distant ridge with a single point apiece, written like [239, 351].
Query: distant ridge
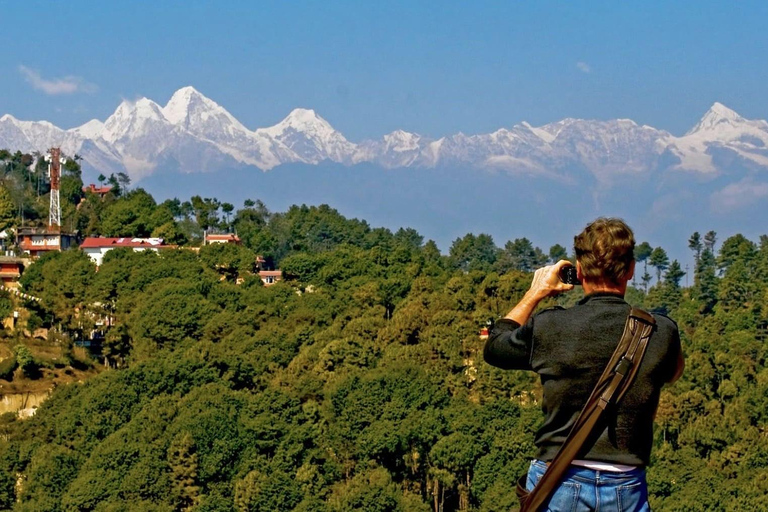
[193, 133]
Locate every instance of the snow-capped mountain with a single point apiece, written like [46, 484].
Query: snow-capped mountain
[192, 133]
[310, 137]
[721, 129]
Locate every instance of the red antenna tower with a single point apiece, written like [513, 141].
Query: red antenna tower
[54, 160]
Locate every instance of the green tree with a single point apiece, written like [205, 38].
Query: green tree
[7, 209]
[736, 248]
[182, 459]
[557, 252]
[674, 274]
[643, 251]
[71, 182]
[133, 215]
[520, 255]
[705, 280]
[230, 260]
[206, 211]
[660, 261]
[124, 180]
[694, 244]
[473, 252]
[709, 240]
[227, 209]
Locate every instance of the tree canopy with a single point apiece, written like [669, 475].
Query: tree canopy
[357, 383]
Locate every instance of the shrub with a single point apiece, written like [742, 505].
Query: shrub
[7, 366]
[29, 366]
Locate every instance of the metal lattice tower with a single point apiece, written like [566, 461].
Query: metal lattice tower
[54, 160]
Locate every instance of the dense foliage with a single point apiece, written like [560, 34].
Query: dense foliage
[358, 382]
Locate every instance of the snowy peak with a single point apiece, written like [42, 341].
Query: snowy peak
[722, 111]
[129, 111]
[310, 137]
[90, 130]
[717, 117]
[191, 109]
[539, 132]
[133, 119]
[194, 133]
[182, 102]
[301, 120]
[400, 140]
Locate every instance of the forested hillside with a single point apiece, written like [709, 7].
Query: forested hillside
[357, 383]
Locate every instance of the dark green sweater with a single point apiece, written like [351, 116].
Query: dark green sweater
[569, 349]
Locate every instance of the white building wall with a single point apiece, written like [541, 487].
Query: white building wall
[97, 253]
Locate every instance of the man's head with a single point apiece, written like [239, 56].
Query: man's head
[605, 251]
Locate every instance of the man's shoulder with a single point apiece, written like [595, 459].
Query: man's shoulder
[663, 320]
[549, 311]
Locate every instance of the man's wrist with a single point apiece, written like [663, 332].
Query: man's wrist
[525, 307]
[535, 296]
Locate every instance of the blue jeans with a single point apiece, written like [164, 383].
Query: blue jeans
[587, 489]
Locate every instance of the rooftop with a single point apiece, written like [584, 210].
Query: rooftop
[101, 242]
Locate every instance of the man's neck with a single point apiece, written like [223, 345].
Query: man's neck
[590, 288]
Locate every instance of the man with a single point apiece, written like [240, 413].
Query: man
[569, 349]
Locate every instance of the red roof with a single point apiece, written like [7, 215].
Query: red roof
[271, 273]
[225, 236]
[96, 190]
[100, 242]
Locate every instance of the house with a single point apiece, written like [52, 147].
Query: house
[93, 189]
[226, 238]
[11, 269]
[38, 241]
[97, 247]
[270, 277]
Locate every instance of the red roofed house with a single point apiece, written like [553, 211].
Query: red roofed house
[11, 269]
[270, 277]
[227, 238]
[93, 189]
[38, 241]
[97, 247]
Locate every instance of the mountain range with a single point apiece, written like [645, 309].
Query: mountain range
[542, 182]
[192, 133]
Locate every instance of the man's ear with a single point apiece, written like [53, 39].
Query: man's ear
[631, 271]
[579, 274]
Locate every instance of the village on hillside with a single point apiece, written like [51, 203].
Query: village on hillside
[21, 246]
[22, 242]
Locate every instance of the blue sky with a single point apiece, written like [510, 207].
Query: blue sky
[434, 68]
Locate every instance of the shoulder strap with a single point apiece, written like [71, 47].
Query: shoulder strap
[611, 387]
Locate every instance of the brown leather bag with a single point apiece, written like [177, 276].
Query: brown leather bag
[611, 387]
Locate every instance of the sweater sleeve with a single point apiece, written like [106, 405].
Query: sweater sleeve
[509, 345]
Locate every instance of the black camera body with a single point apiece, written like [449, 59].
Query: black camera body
[568, 275]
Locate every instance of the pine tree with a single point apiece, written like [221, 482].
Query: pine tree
[705, 280]
[709, 241]
[674, 273]
[7, 209]
[694, 244]
[660, 261]
[183, 462]
[642, 252]
[556, 253]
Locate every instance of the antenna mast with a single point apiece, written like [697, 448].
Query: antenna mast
[54, 160]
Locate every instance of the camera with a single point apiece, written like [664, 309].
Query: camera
[568, 275]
